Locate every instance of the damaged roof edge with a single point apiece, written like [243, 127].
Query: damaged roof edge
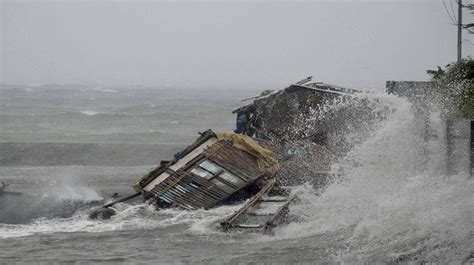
[303, 84]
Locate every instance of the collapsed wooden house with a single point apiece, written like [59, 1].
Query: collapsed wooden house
[222, 167]
[210, 171]
[228, 167]
[277, 115]
[217, 168]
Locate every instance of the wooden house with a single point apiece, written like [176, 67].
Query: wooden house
[206, 173]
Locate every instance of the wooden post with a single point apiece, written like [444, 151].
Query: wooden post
[122, 200]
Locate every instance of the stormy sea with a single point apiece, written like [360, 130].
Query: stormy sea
[67, 149]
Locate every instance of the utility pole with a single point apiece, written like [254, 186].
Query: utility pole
[460, 30]
[449, 122]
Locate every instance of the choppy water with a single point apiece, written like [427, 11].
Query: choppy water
[384, 208]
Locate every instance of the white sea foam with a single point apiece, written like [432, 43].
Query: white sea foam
[34, 85]
[90, 112]
[128, 217]
[108, 90]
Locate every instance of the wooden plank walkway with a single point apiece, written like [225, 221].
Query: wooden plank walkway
[261, 213]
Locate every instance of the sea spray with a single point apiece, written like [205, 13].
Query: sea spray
[55, 193]
[387, 208]
[321, 134]
[68, 186]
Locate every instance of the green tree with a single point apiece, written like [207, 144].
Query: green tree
[454, 88]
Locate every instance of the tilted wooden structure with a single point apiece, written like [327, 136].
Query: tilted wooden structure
[208, 172]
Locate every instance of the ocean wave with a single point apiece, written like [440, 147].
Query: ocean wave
[128, 217]
[95, 114]
[384, 208]
[34, 85]
[107, 90]
[89, 112]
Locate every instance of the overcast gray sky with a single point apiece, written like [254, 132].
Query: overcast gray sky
[226, 44]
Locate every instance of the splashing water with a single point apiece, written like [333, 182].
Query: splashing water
[386, 207]
[77, 193]
[128, 217]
